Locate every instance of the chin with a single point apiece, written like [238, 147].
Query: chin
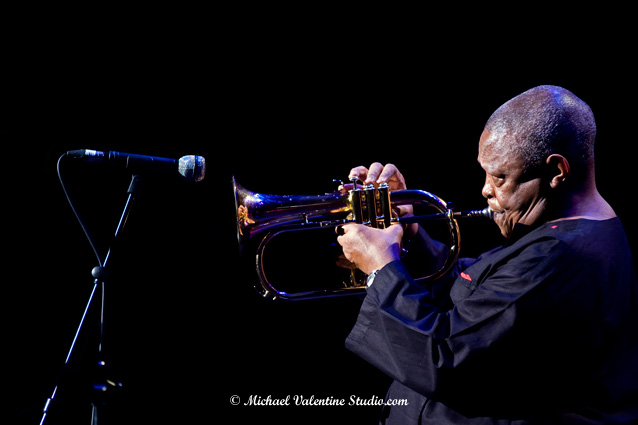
[499, 219]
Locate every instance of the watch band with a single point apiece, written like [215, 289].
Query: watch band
[371, 277]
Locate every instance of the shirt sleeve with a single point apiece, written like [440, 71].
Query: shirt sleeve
[404, 331]
[424, 257]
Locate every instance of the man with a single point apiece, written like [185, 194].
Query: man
[542, 330]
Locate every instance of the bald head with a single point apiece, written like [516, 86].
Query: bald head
[537, 151]
[543, 121]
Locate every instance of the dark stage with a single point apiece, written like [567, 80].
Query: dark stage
[187, 334]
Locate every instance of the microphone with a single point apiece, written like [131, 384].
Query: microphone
[191, 167]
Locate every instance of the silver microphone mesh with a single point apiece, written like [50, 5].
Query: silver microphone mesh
[192, 167]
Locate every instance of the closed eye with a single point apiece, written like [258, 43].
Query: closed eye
[499, 180]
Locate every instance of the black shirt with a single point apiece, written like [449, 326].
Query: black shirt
[541, 330]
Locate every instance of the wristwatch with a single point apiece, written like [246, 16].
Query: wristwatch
[371, 277]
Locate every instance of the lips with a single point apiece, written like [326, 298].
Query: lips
[497, 215]
[496, 209]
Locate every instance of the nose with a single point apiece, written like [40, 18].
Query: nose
[488, 188]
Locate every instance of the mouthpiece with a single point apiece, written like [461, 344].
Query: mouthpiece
[484, 213]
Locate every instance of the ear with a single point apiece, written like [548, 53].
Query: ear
[559, 170]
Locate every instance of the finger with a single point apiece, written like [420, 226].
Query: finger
[361, 172]
[388, 173]
[343, 229]
[392, 176]
[373, 173]
[404, 210]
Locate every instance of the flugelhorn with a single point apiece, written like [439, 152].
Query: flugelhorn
[263, 219]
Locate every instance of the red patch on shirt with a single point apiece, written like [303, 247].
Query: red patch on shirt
[554, 226]
[466, 276]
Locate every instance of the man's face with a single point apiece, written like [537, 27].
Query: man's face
[511, 193]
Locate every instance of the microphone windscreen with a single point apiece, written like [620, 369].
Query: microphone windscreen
[192, 167]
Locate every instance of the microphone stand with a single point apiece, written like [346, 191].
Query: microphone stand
[102, 386]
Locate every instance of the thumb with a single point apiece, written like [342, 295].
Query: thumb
[395, 231]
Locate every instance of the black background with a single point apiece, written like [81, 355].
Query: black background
[285, 109]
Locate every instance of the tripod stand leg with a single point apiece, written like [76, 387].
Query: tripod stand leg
[103, 386]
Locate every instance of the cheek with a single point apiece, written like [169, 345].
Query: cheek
[509, 203]
[517, 199]
[503, 198]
